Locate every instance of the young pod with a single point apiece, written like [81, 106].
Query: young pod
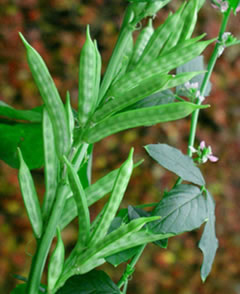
[51, 99]
[114, 201]
[81, 202]
[51, 165]
[190, 18]
[30, 197]
[178, 55]
[123, 65]
[56, 263]
[98, 74]
[140, 117]
[130, 96]
[140, 44]
[87, 80]
[70, 116]
[175, 34]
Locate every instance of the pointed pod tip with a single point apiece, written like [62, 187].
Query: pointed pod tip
[150, 22]
[88, 36]
[23, 40]
[19, 154]
[68, 99]
[131, 152]
[59, 237]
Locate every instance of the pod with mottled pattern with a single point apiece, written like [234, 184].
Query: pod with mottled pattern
[81, 202]
[178, 55]
[30, 197]
[56, 263]
[139, 117]
[87, 80]
[51, 165]
[51, 99]
[141, 42]
[114, 201]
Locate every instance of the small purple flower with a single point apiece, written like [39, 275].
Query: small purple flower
[220, 4]
[204, 153]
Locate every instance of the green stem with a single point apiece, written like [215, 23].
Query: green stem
[210, 67]
[124, 278]
[45, 242]
[211, 64]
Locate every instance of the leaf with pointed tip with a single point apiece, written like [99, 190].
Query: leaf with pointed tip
[182, 209]
[175, 161]
[208, 243]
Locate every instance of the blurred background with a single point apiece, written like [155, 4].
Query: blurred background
[57, 30]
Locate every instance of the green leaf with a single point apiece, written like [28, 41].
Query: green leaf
[28, 137]
[182, 209]
[208, 243]
[175, 161]
[196, 64]
[33, 115]
[94, 282]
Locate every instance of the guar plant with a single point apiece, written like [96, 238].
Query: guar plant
[159, 78]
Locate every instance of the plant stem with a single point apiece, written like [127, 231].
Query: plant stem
[45, 242]
[211, 64]
[131, 265]
[210, 67]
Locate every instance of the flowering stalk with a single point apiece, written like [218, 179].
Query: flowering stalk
[211, 65]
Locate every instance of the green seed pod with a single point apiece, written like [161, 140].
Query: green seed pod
[56, 263]
[93, 193]
[51, 165]
[114, 201]
[98, 74]
[30, 197]
[81, 202]
[178, 55]
[160, 37]
[107, 246]
[70, 117]
[51, 99]
[176, 33]
[190, 18]
[139, 117]
[123, 65]
[140, 44]
[87, 80]
[130, 96]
